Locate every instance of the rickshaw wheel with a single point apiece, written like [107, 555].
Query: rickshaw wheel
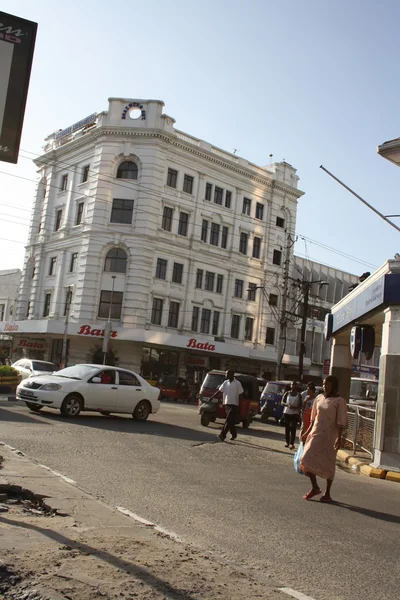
[246, 423]
[205, 419]
[264, 419]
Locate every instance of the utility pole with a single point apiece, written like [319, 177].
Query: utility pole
[107, 328]
[281, 345]
[64, 352]
[306, 285]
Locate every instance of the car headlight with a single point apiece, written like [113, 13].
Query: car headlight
[51, 387]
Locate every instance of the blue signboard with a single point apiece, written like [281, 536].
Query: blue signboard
[76, 126]
[385, 290]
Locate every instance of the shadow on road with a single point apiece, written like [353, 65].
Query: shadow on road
[130, 568]
[368, 512]
[17, 417]
[263, 448]
[128, 425]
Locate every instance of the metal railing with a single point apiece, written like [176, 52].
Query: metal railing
[360, 428]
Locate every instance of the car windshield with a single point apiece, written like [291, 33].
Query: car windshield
[43, 366]
[274, 388]
[77, 372]
[213, 380]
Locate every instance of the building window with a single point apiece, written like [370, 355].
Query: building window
[167, 218]
[238, 293]
[33, 271]
[277, 257]
[199, 278]
[256, 247]
[156, 311]
[79, 213]
[188, 184]
[204, 230]
[195, 318]
[246, 206]
[205, 320]
[173, 315]
[280, 222]
[161, 268]
[224, 237]
[270, 336]
[2, 311]
[183, 223]
[172, 178]
[273, 300]
[235, 326]
[28, 311]
[259, 211]
[46, 308]
[122, 211]
[85, 173]
[243, 243]
[52, 266]
[218, 195]
[228, 198]
[115, 261]
[215, 323]
[74, 259]
[58, 219]
[208, 191]
[209, 281]
[251, 292]
[64, 183]
[214, 234]
[106, 304]
[127, 170]
[220, 281]
[177, 273]
[248, 329]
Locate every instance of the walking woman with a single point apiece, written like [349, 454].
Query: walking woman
[292, 403]
[324, 438]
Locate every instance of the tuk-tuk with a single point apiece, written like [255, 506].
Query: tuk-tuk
[210, 411]
[271, 399]
[173, 387]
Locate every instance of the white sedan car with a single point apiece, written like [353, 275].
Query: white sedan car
[29, 368]
[92, 388]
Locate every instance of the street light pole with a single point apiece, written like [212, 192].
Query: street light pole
[65, 338]
[107, 328]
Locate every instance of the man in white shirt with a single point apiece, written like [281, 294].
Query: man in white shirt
[231, 390]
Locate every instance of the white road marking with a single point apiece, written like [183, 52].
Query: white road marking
[295, 594]
[133, 515]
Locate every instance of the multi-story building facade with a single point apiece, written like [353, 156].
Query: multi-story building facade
[9, 285]
[179, 243]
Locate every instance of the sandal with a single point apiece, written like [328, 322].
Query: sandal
[311, 494]
[325, 498]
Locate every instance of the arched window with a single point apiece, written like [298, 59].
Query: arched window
[115, 261]
[127, 170]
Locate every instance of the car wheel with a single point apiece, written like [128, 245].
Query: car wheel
[33, 407]
[205, 419]
[72, 406]
[142, 411]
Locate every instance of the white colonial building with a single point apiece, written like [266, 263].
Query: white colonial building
[174, 238]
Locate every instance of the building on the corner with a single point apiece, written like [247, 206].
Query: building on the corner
[185, 234]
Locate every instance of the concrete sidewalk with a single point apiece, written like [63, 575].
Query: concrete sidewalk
[57, 542]
[361, 464]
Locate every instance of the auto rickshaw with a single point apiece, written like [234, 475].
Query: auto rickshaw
[211, 410]
[271, 399]
[173, 387]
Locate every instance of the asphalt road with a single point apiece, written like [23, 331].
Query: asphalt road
[242, 500]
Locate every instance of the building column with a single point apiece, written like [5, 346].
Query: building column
[387, 426]
[341, 366]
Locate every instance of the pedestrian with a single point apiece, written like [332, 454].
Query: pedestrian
[308, 398]
[324, 438]
[231, 390]
[291, 413]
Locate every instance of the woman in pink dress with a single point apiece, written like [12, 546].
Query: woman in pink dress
[323, 438]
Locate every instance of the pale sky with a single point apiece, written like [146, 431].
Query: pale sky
[314, 82]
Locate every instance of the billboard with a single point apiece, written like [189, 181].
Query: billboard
[17, 42]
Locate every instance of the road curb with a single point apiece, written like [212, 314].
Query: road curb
[360, 466]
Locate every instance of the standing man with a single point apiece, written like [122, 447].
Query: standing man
[293, 404]
[231, 390]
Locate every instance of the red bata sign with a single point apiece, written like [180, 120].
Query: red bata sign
[87, 330]
[193, 343]
[31, 344]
